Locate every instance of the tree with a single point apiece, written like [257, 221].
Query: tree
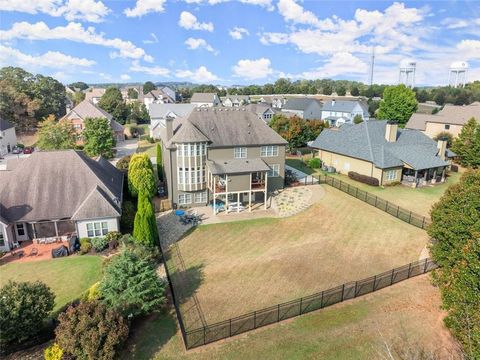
[327, 90]
[50, 95]
[78, 97]
[98, 138]
[399, 103]
[140, 175]
[53, 135]
[132, 93]
[440, 98]
[467, 144]
[354, 91]
[456, 249]
[159, 163]
[357, 119]
[444, 135]
[341, 91]
[145, 224]
[91, 331]
[138, 113]
[148, 86]
[112, 102]
[131, 285]
[78, 85]
[24, 306]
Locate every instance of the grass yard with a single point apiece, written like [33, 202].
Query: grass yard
[67, 277]
[147, 147]
[352, 330]
[238, 267]
[417, 200]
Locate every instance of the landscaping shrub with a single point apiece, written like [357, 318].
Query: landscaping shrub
[93, 292]
[122, 164]
[315, 163]
[24, 307]
[85, 245]
[53, 352]
[363, 178]
[131, 285]
[90, 330]
[454, 168]
[145, 224]
[140, 175]
[129, 209]
[99, 243]
[290, 177]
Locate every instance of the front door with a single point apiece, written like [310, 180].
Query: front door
[21, 231]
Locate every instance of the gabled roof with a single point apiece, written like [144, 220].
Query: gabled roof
[344, 106]
[94, 92]
[300, 104]
[237, 166]
[366, 141]
[97, 205]
[87, 109]
[203, 97]
[54, 185]
[450, 114]
[188, 133]
[259, 109]
[5, 125]
[160, 111]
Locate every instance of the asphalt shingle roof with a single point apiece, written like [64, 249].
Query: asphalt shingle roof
[159, 111]
[203, 97]
[344, 106]
[450, 114]
[299, 104]
[237, 166]
[5, 125]
[367, 141]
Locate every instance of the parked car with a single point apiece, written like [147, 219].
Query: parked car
[28, 150]
[17, 150]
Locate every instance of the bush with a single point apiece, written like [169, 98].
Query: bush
[315, 163]
[85, 245]
[290, 177]
[91, 331]
[363, 178]
[99, 243]
[24, 306]
[145, 224]
[129, 209]
[131, 285]
[53, 352]
[122, 164]
[93, 292]
[454, 168]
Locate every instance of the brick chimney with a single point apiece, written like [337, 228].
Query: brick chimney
[169, 126]
[442, 147]
[391, 131]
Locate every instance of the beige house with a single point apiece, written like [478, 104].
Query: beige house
[226, 154]
[450, 119]
[381, 150]
[205, 99]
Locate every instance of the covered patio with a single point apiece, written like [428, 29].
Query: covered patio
[47, 231]
[423, 177]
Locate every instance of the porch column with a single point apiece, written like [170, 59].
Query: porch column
[266, 189]
[416, 178]
[214, 198]
[434, 178]
[238, 202]
[226, 194]
[250, 195]
[425, 177]
[56, 228]
[34, 231]
[443, 175]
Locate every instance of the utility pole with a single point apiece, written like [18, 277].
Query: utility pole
[372, 64]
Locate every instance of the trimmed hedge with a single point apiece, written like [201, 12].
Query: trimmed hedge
[363, 178]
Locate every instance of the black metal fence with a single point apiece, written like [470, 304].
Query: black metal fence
[238, 325]
[403, 214]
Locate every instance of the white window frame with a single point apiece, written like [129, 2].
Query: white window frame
[184, 199]
[200, 197]
[269, 151]
[391, 175]
[274, 171]
[2, 238]
[240, 152]
[96, 229]
[180, 150]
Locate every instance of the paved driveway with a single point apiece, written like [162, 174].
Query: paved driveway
[124, 148]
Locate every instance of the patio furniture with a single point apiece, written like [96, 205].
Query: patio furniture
[179, 212]
[33, 252]
[20, 253]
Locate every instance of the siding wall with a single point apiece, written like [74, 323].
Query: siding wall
[8, 138]
[433, 129]
[113, 225]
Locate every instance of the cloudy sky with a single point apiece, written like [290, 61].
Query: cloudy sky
[238, 41]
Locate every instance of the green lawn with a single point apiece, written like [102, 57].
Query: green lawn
[238, 267]
[68, 277]
[418, 200]
[353, 330]
[147, 147]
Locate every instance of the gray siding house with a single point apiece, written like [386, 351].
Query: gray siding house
[307, 109]
[205, 99]
[54, 194]
[221, 153]
[339, 112]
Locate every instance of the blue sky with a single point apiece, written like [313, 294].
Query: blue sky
[238, 41]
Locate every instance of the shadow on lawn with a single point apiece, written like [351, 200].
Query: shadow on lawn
[149, 335]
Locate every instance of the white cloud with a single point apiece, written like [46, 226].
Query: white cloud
[150, 70]
[238, 32]
[143, 7]
[189, 21]
[194, 44]
[253, 69]
[153, 39]
[50, 59]
[201, 75]
[267, 4]
[125, 77]
[274, 38]
[74, 32]
[293, 12]
[339, 64]
[83, 10]
[469, 49]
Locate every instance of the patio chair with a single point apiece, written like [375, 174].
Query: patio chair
[33, 252]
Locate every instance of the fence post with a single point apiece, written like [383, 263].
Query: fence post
[321, 302]
[423, 223]
[204, 336]
[410, 218]
[278, 313]
[230, 332]
[343, 290]
[391, 279]
[301, 301]
[355, 293]
[356, 193]
[348, 188]
[374, 282]
[386, 206]
[254, 319]
[409, 269]
[398, 210]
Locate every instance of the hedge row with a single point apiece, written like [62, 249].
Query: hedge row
[363, 178]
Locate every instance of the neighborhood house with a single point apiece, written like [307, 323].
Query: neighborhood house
[205, 99]
[159, 112]
[307, 109]
[8, 137]
[379, 149]
[51, 195]
[339, 112]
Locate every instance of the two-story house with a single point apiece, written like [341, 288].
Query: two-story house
[264, 111]
[159, 112]
[339, 112]
[221, 153]
[8, 138]
[235, 100]
[304, 108]
[205, 99]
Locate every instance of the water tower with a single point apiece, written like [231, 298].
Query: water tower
[458, 74]
[407, 73]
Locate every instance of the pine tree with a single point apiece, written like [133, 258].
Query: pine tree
[467, 145]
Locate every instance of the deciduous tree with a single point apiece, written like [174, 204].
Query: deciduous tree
[56, 135]
[148, 86]
[98, 138]
[112, 102]
[399, 103]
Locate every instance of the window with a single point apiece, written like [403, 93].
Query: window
[240, 152]
[447, 126]
[190, 176]
[391, 175]
[267, 116]
[346, 166]
[20, 229]
[274, 171]
[184, 199]
[2, 239]
[77, 126]
[201, 197]
[97, 229]
[268, 151]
